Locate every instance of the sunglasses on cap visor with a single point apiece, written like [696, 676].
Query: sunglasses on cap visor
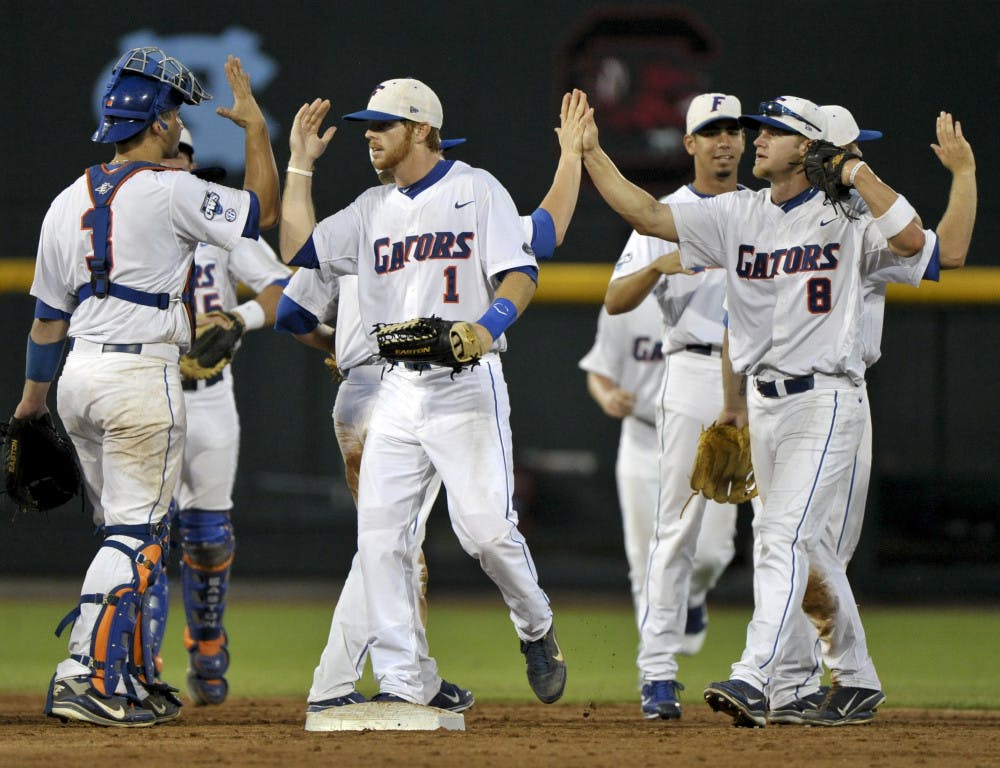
[776, 109]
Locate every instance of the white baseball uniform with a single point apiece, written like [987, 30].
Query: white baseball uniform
[795, 295]
[386, 231]
[692, 537]
[843, 646]
[208, 471]
[120, 390]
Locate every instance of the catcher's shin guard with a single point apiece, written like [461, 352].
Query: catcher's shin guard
[117, 648]
[156, 599]
[208, 544]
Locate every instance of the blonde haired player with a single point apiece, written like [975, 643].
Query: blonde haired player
[461, 228]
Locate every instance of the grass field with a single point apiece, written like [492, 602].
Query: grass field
[927, 657]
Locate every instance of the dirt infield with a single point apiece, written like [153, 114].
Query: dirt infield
[269, 732]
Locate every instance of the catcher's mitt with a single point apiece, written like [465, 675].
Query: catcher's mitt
[722, 469]
[824, 165]
[430, 340]
[213, 346]
[39, 464]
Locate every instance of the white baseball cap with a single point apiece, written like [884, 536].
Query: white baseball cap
[709, 107]
[789, 113]
[402, 99]
[842, 129]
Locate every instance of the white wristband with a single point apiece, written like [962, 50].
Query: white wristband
[299, 171]
[854, 172]
[252, 313]
[896, 219]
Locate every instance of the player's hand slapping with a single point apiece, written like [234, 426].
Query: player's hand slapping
[245, 111]
[305, 140]
[952, 149]
[571, 116]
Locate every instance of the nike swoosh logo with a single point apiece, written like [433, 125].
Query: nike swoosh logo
[117, 712]
[824, 223]
[462, 205]
[453, 698]
[847, 707]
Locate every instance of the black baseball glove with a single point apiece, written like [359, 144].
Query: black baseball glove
[213, 347]
[430, 340]
[39, 464]
[824, 165]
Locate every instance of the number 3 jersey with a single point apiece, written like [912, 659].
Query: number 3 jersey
[435, 247]
[794, 278]
[157, 217]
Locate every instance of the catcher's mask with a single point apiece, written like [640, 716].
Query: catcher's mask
[144, 83]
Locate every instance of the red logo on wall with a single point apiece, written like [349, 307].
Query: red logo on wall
[640, 68]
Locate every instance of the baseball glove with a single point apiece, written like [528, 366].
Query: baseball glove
[430, 340]
[213, 347]
[824, 165]
[330, 361]
[722, 469]
[39, 464]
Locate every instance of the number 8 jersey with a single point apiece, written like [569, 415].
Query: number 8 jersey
[794, 276]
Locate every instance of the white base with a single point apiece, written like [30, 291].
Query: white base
[384, 716]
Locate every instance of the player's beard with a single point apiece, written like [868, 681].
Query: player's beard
[392, 157]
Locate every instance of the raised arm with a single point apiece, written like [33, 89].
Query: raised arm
[894, 216]
[560, 200]
[646, 214]
[955, 229]
[261, 175]
[298, 216]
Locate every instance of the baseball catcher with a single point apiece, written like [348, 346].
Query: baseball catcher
[824, 166]
[431, 340]
[722, 468]
[214, 345]
[39, 464]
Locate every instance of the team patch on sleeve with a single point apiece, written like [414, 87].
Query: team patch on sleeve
[211, 206]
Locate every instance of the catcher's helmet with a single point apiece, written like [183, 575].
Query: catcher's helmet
[144, 83]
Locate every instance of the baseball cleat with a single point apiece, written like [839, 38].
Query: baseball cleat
[163, 704]
[846, 705]
[75, 698]
[452, 697]
[740, 700]
[389, 698]
[659, 700]
[546, 666]
[695, 630]
[793, 713]
[340, 701]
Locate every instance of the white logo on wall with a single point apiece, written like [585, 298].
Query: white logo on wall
[217, 141]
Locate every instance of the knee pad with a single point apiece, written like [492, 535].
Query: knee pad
[118, 646]
[207, 544]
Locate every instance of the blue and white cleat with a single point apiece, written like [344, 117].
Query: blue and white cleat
[740, 700]
[659, 700]
[452, 697]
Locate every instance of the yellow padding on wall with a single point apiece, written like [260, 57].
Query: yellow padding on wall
[585, 283]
